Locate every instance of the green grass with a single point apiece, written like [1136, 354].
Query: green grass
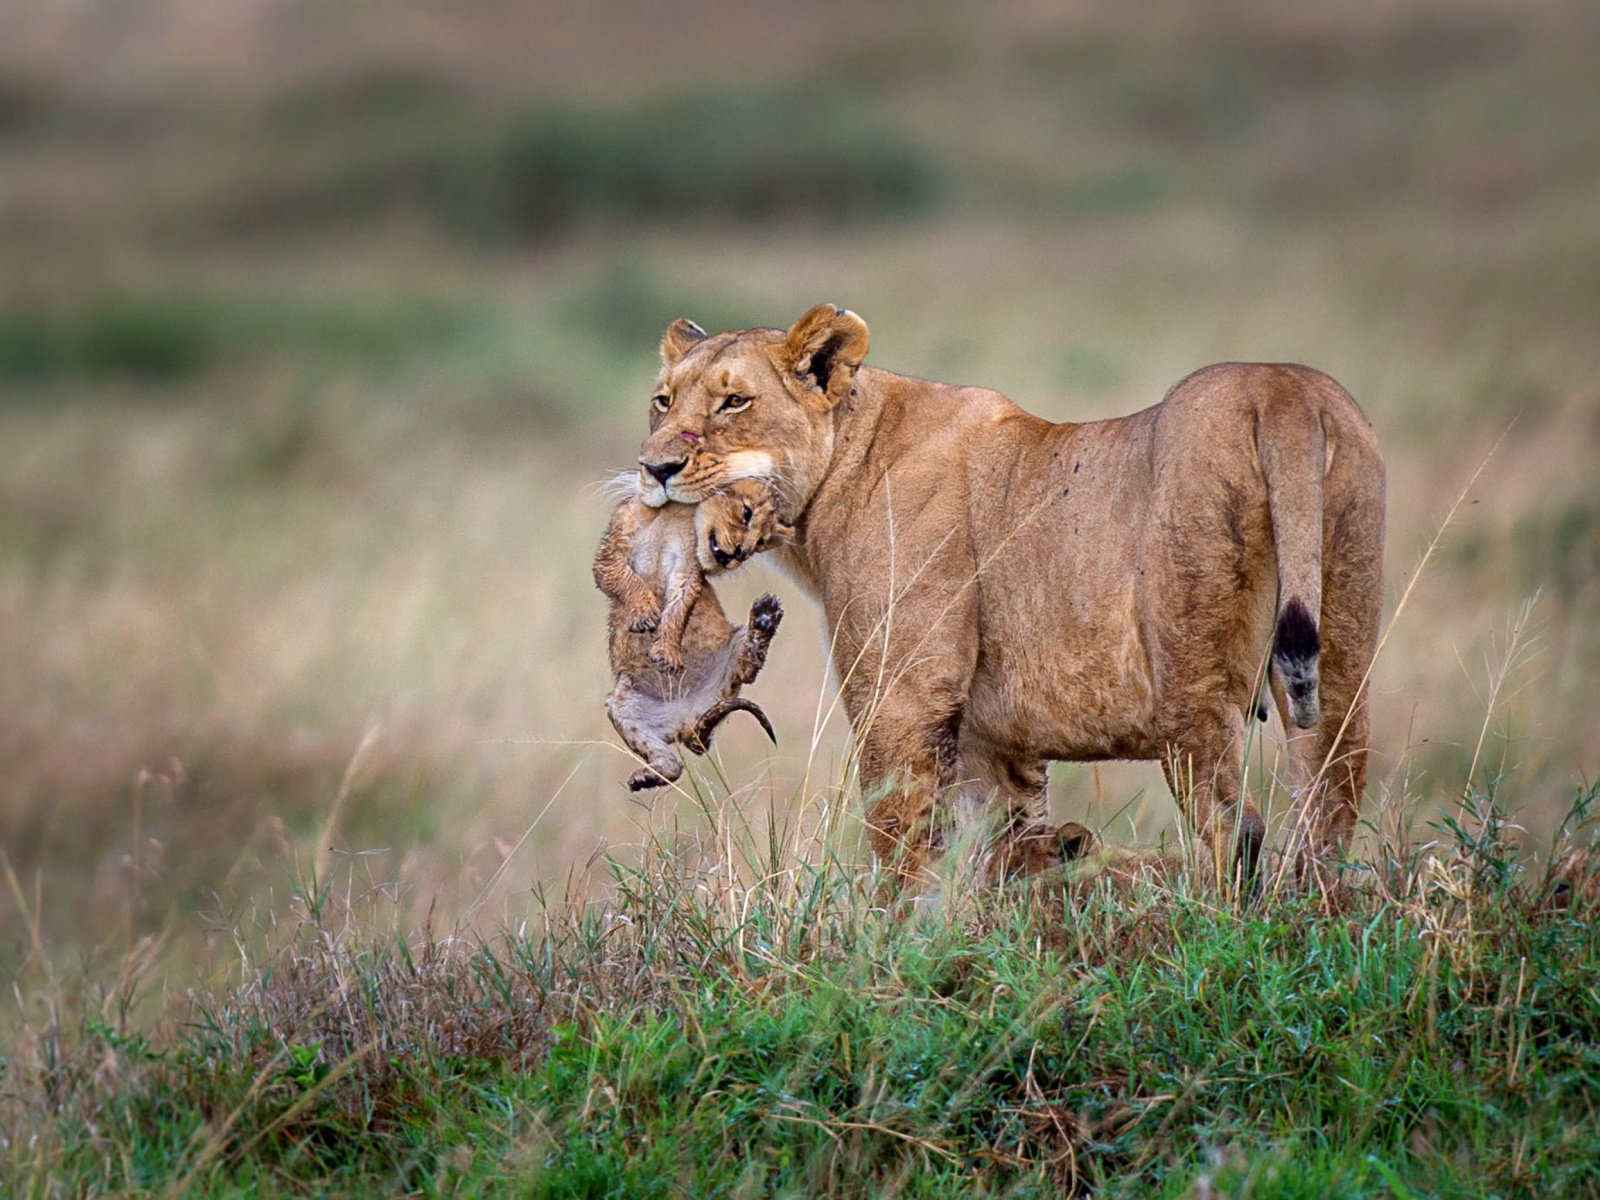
[748, 155]
[163, 339]
[1430, 1028]
[154, 341]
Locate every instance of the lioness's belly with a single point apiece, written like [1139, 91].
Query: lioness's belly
[1061, 684]
[1062, 672]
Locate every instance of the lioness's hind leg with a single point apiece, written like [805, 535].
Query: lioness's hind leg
[641, 723]
[1209, 615]
[1204, 769]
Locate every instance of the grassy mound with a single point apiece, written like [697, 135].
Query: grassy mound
[725, 1024]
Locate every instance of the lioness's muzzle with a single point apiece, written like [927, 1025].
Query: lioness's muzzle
[663, 471]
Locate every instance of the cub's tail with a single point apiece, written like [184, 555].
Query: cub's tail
[699, 739]
[1292, 446]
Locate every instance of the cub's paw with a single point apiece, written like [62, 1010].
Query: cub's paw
[666, 656]
[1075, 841]
[644, 620]
[1034, 848]
[644, 779]
[765, 614]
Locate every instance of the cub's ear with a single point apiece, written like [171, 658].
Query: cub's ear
[681, 337]
[827, 344]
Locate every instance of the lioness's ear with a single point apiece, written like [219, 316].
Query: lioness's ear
[681, 337]
[828, 344]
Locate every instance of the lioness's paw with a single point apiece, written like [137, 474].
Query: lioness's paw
[765, 614]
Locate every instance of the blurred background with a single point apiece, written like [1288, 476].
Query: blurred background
[320, 322]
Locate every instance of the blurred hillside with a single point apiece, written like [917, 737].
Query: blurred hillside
[318, 324]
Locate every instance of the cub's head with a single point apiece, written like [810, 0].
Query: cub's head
[753, 404]
[736, 523]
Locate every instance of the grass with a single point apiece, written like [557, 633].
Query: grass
[746, 155]
[152, 341]
[737, 1014]
[161, 340]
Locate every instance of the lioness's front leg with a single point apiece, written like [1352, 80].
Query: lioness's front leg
[908, 764]
[906, 672]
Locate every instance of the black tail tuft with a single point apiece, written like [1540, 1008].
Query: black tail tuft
[1294, 654]
[1297, 633]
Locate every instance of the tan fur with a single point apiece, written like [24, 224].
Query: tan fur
[1002, 591]
[678, 663]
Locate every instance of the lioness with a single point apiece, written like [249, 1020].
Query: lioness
[1002, 591]
[677, 662]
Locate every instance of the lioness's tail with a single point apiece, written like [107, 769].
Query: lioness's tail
[1293, 445]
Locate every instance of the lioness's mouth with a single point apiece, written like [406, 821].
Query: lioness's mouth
[650, 492]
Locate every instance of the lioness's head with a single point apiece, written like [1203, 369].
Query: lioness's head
[753, 404]
[737, 523]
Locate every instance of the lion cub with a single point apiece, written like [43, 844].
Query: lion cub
[678, 662]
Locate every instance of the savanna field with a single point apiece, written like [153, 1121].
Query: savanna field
[322, 330]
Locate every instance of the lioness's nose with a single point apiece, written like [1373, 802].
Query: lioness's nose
[664, 471]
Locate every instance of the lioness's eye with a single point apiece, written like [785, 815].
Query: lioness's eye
[747, 514]
[662, 402]
[734, 403]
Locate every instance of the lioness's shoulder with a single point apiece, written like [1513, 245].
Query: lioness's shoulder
[928, 402]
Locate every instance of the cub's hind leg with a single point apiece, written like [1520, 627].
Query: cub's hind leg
[641, 721]
[765, 614]
[744, 656]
